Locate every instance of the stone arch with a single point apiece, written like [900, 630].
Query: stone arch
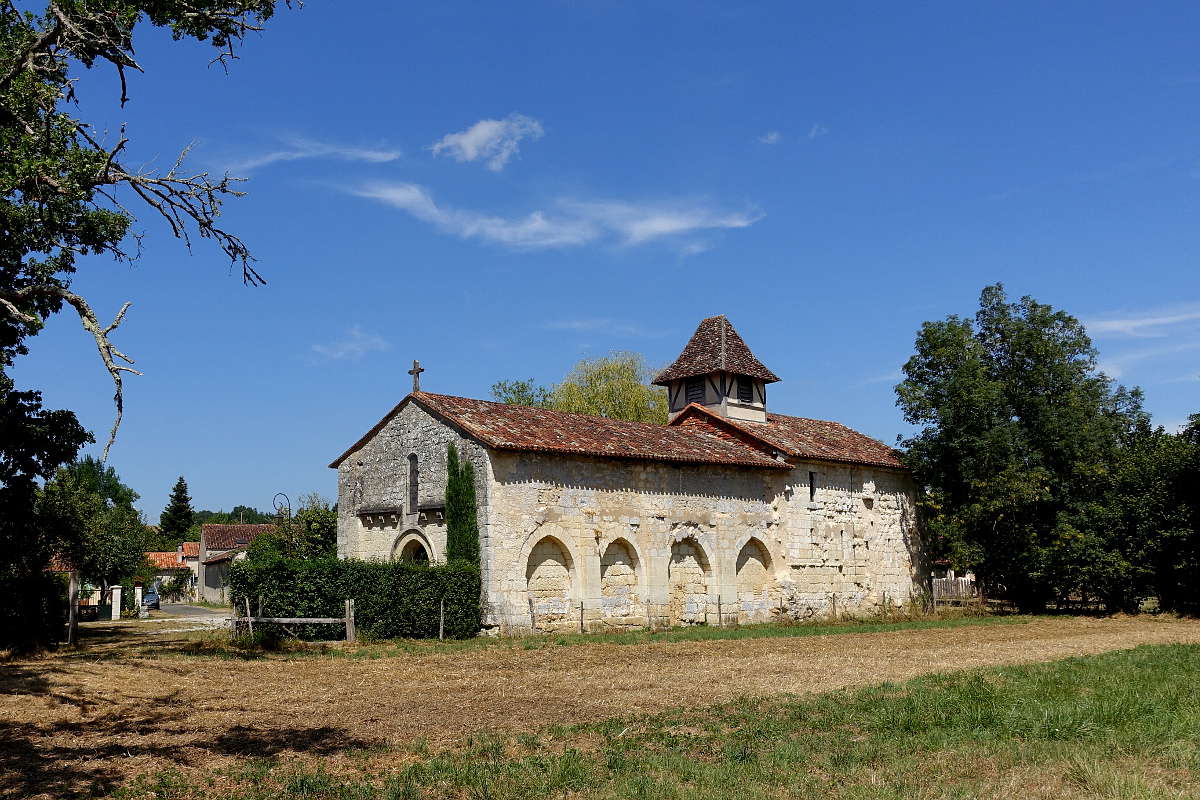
[754, 581]
[549, 580]
[621, 584]
[410, 546]
[689, 578]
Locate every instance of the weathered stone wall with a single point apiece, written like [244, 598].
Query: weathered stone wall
[376, 477]
[642, 543]
[667, 544]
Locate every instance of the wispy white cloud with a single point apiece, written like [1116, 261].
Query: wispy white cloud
[1157, 322]
[601, 325]
[1117, 366]
[771, 137]
[571, 223]
[638, 223]
[894, 376]
[817, 130]
[356, 344]
[492, 140]
[296, 148]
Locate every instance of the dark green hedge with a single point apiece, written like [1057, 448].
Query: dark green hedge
[395, 599]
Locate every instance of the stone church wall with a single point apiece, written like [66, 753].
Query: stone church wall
[642, 543]
[376, 477]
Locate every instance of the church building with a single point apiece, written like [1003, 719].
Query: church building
[729, 513]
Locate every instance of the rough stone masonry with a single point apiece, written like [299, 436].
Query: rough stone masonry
[728, 514]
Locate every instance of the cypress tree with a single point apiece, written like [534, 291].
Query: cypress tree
[462, 534]
[470, 524]
[176, 519]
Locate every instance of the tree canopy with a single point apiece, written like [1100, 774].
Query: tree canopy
[99, 530]
[69, 191]
[1020, 432]
[616, 386]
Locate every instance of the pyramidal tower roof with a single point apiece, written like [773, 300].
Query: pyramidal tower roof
[715, 347]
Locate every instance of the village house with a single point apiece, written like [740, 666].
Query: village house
[167, 564]
[220, 545]
[729, 513]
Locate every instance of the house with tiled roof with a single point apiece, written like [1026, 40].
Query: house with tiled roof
[219, 546]
[728, 513]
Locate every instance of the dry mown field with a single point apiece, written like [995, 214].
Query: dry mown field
[68, 722]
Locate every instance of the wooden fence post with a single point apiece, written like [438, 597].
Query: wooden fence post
[441, 619]
[233, 622]
[351, 633]
[259, 614]
[885, 607]
[581, 616]
[532, 617]
[249, 619]
[834, 596]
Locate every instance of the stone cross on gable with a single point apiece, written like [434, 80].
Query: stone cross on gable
[416, 373]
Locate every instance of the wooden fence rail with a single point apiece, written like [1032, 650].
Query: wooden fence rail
[249, 620]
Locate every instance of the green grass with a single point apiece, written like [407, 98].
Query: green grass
[218, 644]
[1122, 726]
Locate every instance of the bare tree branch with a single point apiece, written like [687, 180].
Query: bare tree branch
[109, 354]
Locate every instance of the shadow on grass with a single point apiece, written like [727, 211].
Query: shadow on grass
[84, 757]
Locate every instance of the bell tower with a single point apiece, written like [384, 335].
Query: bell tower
[717, 370]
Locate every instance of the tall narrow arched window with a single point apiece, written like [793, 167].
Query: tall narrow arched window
[414, 480]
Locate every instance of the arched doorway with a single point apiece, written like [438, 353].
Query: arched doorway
[412, 546]
[688, 577]
[620, 598]
[548, 578]
[414, 550]
[754, 582]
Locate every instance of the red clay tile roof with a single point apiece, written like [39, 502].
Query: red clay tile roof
[191, 549]
[715, 347]
[227, 537]
[823, 440]
[509, 427]
[228, 555]
[165, 560]
[799, 437]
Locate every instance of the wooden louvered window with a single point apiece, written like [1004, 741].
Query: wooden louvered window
[745, 390]
[694, 390]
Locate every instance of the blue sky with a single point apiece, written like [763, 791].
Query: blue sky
[502, 189]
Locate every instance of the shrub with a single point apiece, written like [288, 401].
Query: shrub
[395, 599]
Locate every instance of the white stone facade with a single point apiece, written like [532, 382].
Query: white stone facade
[571, 541]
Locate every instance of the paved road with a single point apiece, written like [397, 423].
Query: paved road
[185, 610]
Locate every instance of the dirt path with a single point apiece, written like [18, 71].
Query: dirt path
[68, 722]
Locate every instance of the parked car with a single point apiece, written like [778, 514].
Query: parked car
[150, 599]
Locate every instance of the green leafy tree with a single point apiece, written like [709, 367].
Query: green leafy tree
[462, 527]
[103, 537]
[1019, 434]
[67, 190]
[1158, 503]
[34, 443]
[616, 386]
[176, 520]
[521, 393]
[314, 529]
[241, 515]
[310, 533]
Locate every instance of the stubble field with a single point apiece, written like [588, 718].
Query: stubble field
[138, 705]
